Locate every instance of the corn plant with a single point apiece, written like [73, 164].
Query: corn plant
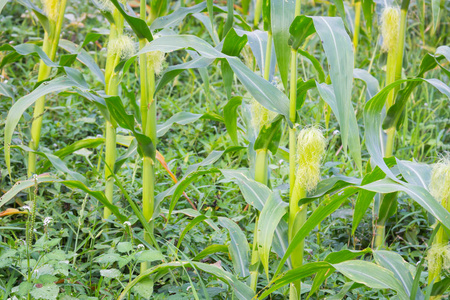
[274, 89]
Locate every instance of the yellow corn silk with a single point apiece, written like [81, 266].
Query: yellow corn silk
[438, 258]
[260, 115]
[310, 149]
[390, 26]
[122, 46]
[155, 60]
[440, 180]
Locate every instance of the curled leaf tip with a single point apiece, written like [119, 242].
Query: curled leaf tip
[310, 149]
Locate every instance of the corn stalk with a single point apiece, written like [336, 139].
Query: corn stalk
[50, 45]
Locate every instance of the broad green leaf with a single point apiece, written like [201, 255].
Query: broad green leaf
[37, 11]
[439, 288]
[183, 184]
[191, 225]
[81, 144]
[110, 273]
[282, 14]
[206, 21]
[177, 16]
[371, 275]
[16, 111]
[173, 71]
[48, 291]
[269, 136]
[265, 93]
[181, 118]
[296, 274]
[242, 291]
[24, 49]
[368, 7]
[149, 256]
[417, 193]
[300, 29]
[6, 90]
[138, 25]
[25, 184]
[144, 288]
[325, 209]
[274, 209]
[255, 193]
[339, 51]
[2, 4]
[372, 86]
[230, 117]
[415, 173]
[334, 258]
[211, 250]
[84, 57]
[239, 248]
[399, 267]
[372, 120]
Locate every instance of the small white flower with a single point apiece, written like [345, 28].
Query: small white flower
[426, 104]
[140, 246]
[335, 132]
[126, 223]
[47, 221]
[26, 207]
[99, 136]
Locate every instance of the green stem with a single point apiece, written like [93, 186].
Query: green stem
[148, 114]
[50, 46]
[357, 25]
[297, 217]
[268, 56]
[110, 159]
[441, 238]
[254, 260]
[258, 10]
[261, 166]
[292, 117]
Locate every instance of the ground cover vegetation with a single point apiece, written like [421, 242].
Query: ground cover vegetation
[266, 149]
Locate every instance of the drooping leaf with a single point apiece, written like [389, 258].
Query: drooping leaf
[274, 209]
[282, 15]
[339, 51]
[138, 25]
[230, 117]
[239, 248]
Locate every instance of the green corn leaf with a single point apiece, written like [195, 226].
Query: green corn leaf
[372, 120]
[269, 136]
[325, 209]
[230, 117]
[45, 178]
[37, 11]
[372, 86]
[399, 267]
[417, 193]
[212, 249]
[300, 29]
[239, 248]
[335, 258]
[191, 225]
[274, 209]
[306, 270]
[282, 14]
[16, 111]
[415, 173]
[368, 7]
[192, 213]
[138, 25]
[6, 90]
[84, 57]
[25, 49]
[339, 52]
[177, 16]
[371, 275]
[242, 291]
